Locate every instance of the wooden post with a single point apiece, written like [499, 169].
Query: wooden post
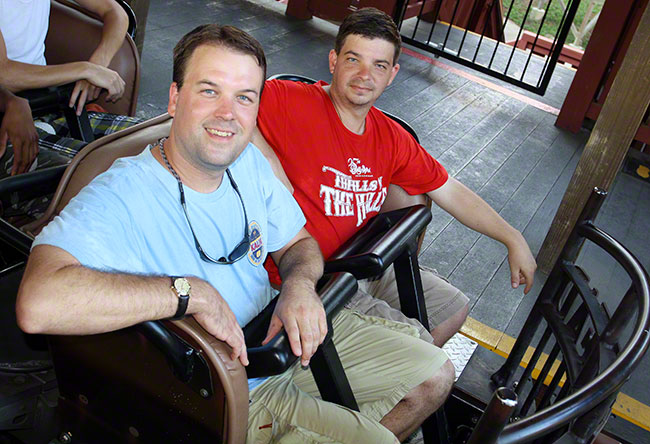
[594, 63]
[608, 144]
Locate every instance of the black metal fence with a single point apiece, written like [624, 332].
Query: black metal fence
[473, 33]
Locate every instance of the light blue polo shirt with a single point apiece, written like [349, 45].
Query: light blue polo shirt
[129, 219]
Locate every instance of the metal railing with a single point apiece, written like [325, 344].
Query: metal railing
[591, 364]
[474, 36]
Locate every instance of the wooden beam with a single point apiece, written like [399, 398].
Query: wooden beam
[594, 63]
[608, 144]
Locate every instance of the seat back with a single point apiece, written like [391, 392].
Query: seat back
[96, 158]
[146, 400]
[73, 36]
[581, 352]
[104, 400]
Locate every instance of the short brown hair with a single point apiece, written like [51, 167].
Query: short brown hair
[370, 23]
[212, 34]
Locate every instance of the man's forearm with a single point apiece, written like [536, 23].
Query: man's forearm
[116, 24]
[84, 301]
[6, 96]
[17, 76]
[302, 263]
[60, 296]
[471, 210]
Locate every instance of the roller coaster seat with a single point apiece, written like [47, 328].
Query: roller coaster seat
[74, 34]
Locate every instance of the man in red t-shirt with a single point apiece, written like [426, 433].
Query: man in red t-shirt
[340, 154]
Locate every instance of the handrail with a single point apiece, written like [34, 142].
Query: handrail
[611, 379]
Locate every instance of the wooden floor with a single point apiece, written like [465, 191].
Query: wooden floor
[504, 148]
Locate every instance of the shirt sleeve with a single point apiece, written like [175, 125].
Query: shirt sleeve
[415, 169]
[272, 115]
[285, 218]
[95, 228]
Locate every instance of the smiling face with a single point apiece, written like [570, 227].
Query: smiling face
[362, 70]
[216, 108]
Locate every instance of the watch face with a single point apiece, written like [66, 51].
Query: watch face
[182, 286]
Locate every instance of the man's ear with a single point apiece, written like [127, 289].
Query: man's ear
[393, 73]
[173, 98]
[332, 59]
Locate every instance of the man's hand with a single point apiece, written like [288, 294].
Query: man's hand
[18, 127]
[219, 320]
[522, 264]
[83, 92]
[97, 78]
[300, 311]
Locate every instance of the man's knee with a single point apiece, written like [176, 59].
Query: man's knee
[432, 393]
[438, 386]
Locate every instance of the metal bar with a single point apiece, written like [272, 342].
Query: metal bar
[539, 30]
[596, 313]
[556, 282]
[453, 16]
[523, 381]
[514, 48]
[468, 63]
[540, 380]
[409, 284]
[462, 41]
[546, 399]
[559, 43]
[435, 18]
[417, 23]
[329, 375]
[478, 46]
[16, 238]
[610, 380]
[400, 11]
[574, 243]
[503, 26]
[495, 417]
[621, 318]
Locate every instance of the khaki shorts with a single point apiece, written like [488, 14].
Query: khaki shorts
[383, 361]
[380, 298]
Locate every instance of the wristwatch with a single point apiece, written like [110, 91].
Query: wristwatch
[181, 288]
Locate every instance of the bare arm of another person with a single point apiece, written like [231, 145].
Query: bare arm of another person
[260, 142]
[18, 76]
[18, 128]
[300, 310]
[59, 296]
[474, 212]
[116, 24]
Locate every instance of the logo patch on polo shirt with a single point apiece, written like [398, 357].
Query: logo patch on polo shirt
[256, 251]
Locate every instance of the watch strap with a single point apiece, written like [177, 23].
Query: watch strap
[183, 300]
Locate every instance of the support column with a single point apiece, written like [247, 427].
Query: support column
[609, 142]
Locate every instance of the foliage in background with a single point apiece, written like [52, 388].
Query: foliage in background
[553, 16]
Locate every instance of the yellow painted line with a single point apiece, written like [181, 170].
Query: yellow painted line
[500, 343]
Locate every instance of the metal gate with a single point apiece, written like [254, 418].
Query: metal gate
[472, 33]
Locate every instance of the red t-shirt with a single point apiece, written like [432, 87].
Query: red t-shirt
[340, 178]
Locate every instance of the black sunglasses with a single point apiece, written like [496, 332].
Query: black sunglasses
[241, 248]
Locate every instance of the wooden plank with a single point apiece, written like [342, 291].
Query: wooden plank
[484, 273]
[594, 63]
[456, 240]
[426, 123]
[411, 108]
[485, 129]
[609, 141]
